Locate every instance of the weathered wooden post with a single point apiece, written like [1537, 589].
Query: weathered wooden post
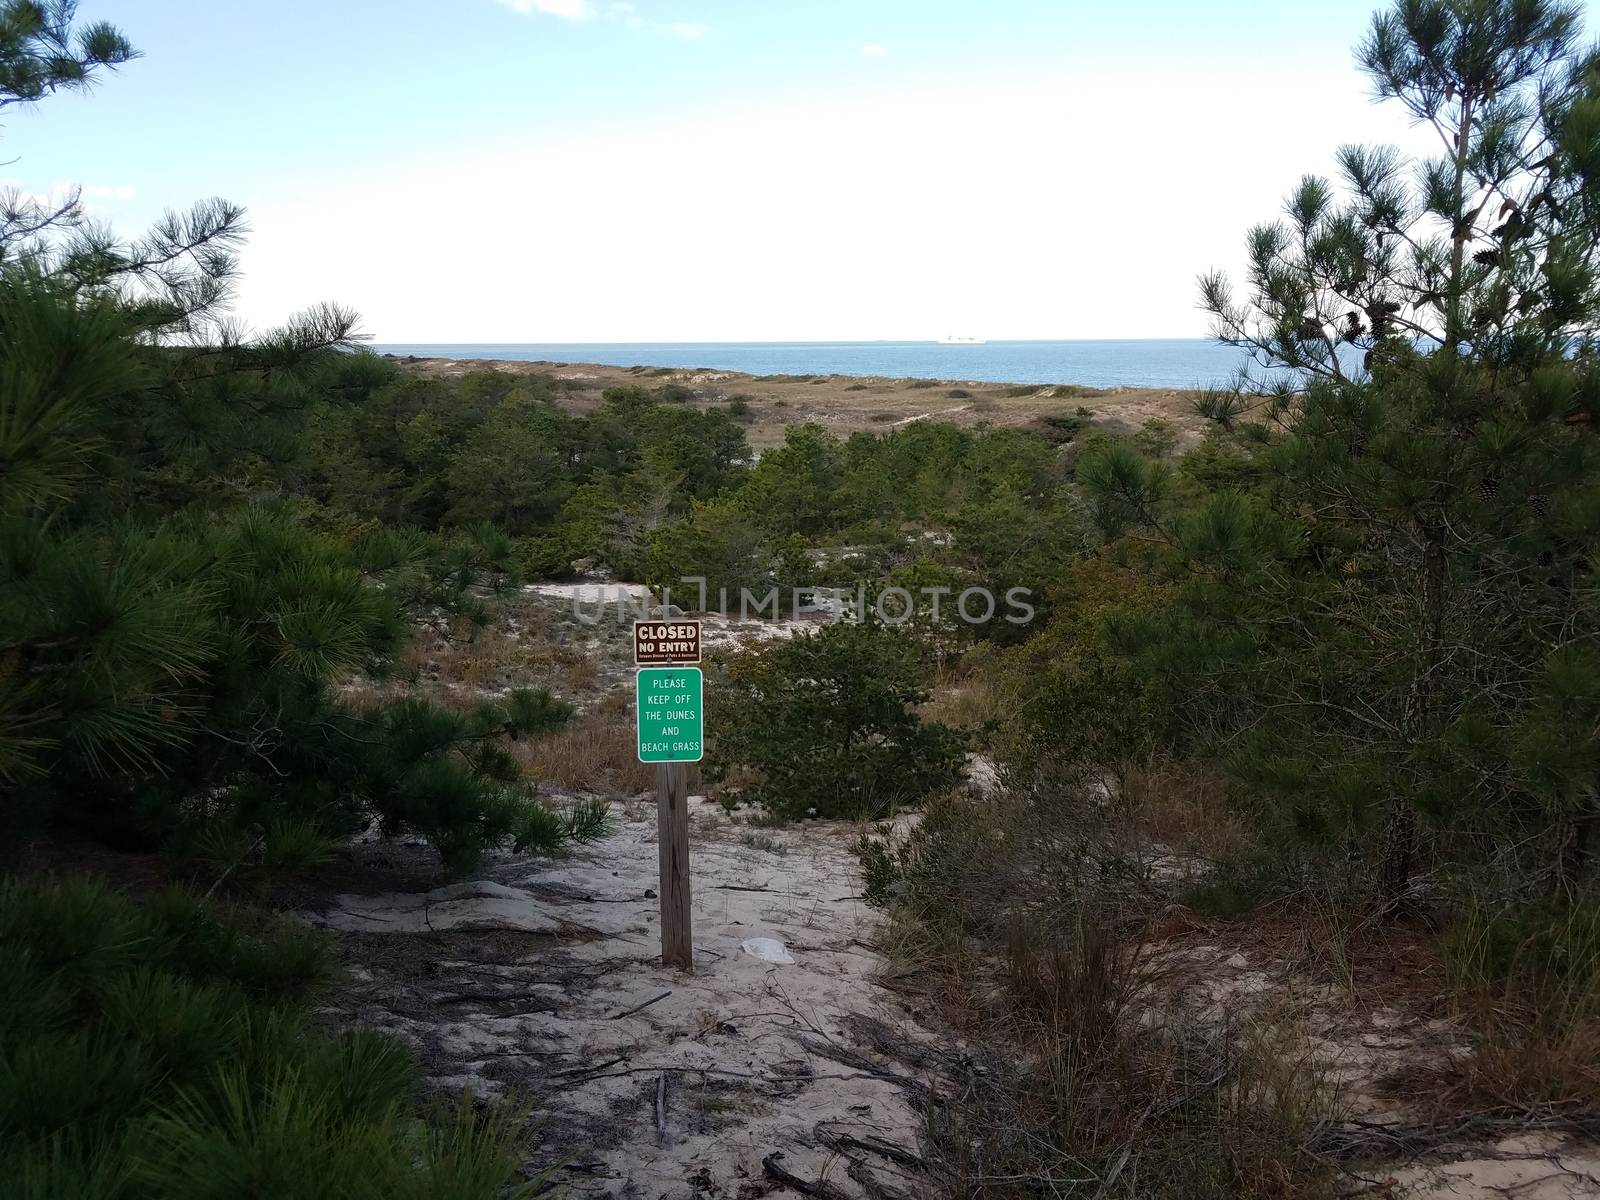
[670, 718]
[672, 831]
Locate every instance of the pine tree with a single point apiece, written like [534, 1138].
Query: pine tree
[1405, 612]
[173, 633]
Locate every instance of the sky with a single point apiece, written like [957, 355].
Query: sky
[719, 170]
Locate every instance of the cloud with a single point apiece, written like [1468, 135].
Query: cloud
[620, 12]
[873, 50]
[626, 15]
[94, 198]
[568, 10]
[896, 259]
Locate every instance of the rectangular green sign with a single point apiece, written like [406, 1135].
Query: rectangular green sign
[671, 715]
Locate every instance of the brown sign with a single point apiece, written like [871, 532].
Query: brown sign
[662, 643]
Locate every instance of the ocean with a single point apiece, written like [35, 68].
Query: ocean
[1160, 363]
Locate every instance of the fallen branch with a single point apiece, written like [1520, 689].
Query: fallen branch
[874, 1187]
[823, 1048]
[872, 1144]
[641, 1007]
[1358, 1139]
[661, 1110]
[806, 1187]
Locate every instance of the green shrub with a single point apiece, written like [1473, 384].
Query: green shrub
[543, 557]
[1525, 978]
[1060, 427]
[1546, 946]
[826, 725]
[880, 868]
[162, 1053]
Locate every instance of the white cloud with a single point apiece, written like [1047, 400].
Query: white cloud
[620, 12]
[95, 198]
[623, 13]
[570, 10]
[873, 50]
[894, 229]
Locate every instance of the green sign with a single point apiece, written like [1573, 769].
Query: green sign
[671, 714]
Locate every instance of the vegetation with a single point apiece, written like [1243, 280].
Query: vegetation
[823, 725]
[1356, 628]
[1368, 599]
[168, 1051]
[1360, 618]
[178, 604]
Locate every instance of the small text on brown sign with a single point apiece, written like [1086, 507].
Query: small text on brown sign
[665, 642]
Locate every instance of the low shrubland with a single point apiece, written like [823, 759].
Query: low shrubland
[825, 724]
[1339, 660]
[1019, 920]
[170, 1049]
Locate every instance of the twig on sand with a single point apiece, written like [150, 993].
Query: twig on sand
[661, 1110]
[586, 1070]
[837, 1139]
[806, 1187]
[628, 1012]
[828, 1049]
[874, 1187]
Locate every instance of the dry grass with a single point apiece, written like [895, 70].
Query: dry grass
[1014, 924]
[1187, 807]
[845, 404]
[1526, 979]
[1074, 1097]
[968, 701]
[496, 659]
[596, 753]
[1527, 1053]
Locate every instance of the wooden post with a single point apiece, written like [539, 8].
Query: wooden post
[672, 835]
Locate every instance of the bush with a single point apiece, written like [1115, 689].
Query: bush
[165, 1052]
[1020, 910]
[447, 775]
[826, 725]
[1527, 979]
[1546, 945]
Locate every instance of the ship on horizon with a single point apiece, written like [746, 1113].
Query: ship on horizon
[953, 340]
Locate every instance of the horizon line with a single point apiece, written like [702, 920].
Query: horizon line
[803, 342]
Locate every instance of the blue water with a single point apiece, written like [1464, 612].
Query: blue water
[1174, 363]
